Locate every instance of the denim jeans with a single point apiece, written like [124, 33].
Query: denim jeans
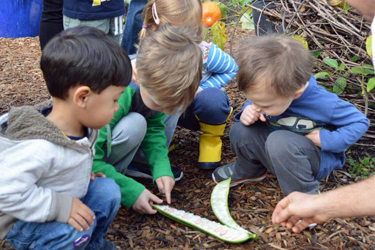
[133, 25]
[103, 198]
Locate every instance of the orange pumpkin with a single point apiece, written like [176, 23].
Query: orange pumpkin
[210, 13]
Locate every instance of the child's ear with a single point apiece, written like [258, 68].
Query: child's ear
[298, 93]
[81, 96]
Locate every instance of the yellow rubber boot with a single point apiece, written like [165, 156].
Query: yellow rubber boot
[210, 145]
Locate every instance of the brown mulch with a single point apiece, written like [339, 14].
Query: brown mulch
[251, 205]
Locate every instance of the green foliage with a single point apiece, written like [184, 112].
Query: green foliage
[370, 84]
[369, 45]
[247, 20]
[364, 167]
[339, 87]
[240, 2]
[218, 34]
[223, 9]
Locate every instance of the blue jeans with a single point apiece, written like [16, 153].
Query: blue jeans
[133, 25]
[210, 106]
[103, 198]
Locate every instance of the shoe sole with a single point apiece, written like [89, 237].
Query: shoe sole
[233, 184]
[137, 174]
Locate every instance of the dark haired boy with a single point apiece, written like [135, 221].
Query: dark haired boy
[290, 126]
[48, 197]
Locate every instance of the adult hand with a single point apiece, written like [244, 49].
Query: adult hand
[314, 136]
[144, 201]
[250, 115]
[165, 185]
[298, 210]
[81, 217]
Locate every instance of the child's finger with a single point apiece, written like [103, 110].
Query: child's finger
[160, 185]
[74, 224]
[262, 118]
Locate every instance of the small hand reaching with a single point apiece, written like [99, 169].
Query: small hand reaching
[144, 201]
[165, 185]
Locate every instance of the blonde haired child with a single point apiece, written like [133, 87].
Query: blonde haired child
[210, 108]
[169, 79]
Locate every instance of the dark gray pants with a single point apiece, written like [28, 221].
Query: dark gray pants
[293, 158]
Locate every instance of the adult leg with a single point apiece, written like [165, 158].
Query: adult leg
[133, 25]
[295, 161]
[102, 24]
[208, 112]
[262, 26]
[51, 21]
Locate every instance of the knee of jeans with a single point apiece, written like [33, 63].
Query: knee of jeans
[110, 192]
[279, 144]
[211, 106]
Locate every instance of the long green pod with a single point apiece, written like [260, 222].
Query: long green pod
[213, 228]
[219, 204]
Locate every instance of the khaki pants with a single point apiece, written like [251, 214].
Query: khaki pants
[111, 26]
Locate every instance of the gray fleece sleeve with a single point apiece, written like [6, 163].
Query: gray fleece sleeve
[60, 208]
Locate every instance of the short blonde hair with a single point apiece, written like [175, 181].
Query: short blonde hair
[176, 12]
[169, 65]
[277, 62]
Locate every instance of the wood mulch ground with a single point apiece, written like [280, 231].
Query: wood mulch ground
[251, 205]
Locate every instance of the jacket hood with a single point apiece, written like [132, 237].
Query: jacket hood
[27, 123]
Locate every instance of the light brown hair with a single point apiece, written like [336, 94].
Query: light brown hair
[175, 12]
[169, 65]
[277, 62]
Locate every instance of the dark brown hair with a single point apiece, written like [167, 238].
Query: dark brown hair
[276, 62]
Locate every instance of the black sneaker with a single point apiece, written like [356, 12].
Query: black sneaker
[143, 171]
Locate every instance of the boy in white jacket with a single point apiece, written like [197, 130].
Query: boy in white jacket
[47, 200]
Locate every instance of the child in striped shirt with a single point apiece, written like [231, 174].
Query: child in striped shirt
[210, 108]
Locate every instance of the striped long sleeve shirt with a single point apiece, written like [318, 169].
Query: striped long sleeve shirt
[219, 68]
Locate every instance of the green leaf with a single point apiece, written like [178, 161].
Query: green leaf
[218, 34]
[322, 75]
[247, 21]
[331, 62]
[362, 71]
[342, 66]
[354, 58]
[223, 9]
[346, 7]
[369, 46]
[370, 84]
[340, 86]
[317, 53]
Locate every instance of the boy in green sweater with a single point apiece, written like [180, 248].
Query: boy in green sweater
[169, 66]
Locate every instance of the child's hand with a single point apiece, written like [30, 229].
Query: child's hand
[134, 68]
[98, 174]
[165, 185]
[250, 115]
[81, 217]
[314, 136]
[144, 201]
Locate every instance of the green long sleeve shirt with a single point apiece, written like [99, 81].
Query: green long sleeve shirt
[153, 146]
